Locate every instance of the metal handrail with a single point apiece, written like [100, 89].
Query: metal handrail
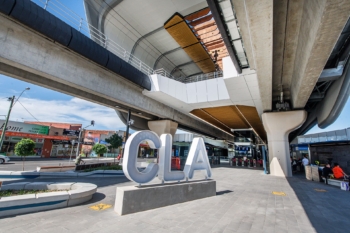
[163, 72]
[74, 20]
[191, 79]
[202, 77]
[67, 15]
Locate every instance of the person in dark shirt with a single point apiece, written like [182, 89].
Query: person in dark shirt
[326, 171]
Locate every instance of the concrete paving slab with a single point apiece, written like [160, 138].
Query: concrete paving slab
[244, 203]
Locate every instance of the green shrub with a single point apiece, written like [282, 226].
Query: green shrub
[113, 167]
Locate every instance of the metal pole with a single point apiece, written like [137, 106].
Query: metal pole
[264, 158]
[127, 126]
[46, 3]
[6, 121]
[70, 158]
[127, 129]
[71, 152]
[77, 153]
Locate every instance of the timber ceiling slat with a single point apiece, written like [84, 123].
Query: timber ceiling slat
[232, 118]
[185, 37]
[201, 20]
[182, 34]
[206, 66]
[204, 25]
[207, 29]
[204, 116]
[253, 118]
[209, 35]
[194, 28]
[172, 21]
[197, 14]
[196, 52]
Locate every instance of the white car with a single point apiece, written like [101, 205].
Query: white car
[4, 159]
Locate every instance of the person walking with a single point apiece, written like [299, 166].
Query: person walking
[305, 162]
[294, 164]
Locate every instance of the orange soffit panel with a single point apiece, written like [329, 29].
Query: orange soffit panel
[184, 36]
[232, 117]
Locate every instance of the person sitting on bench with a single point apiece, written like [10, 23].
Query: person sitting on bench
[326, 172]
[338, 172]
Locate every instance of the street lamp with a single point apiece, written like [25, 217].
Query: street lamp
[8, 116]
[26, 89]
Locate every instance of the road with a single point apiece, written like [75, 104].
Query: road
[33, 164]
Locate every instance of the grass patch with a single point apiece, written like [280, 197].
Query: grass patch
[113, 167]
[11, 192]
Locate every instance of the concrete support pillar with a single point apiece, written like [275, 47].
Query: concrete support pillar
[163, 126]
[278, 125]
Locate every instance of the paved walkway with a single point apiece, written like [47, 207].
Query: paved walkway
[244, 203]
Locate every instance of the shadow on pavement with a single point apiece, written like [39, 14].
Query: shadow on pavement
[223, 192]
[95, 198]
[327, 211]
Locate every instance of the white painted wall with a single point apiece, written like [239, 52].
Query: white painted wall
[232, 89]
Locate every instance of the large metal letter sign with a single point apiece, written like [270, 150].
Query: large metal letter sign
[165, 173]
[197, 159]
[130, 157]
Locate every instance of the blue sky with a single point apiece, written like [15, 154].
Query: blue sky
[47, 105]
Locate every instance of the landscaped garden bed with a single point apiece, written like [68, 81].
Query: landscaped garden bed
[12, 192]
[112, 167]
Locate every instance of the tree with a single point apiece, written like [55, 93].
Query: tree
[23, 148]
[115, 141]
[99, 149]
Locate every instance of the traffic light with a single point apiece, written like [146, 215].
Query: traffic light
[93, 123]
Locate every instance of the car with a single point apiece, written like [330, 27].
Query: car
[4, 159]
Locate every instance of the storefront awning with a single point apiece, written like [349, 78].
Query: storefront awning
[29, 135]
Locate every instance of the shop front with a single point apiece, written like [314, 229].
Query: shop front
[41, 141]
[16, 131]
[8, 147]
[63, 148]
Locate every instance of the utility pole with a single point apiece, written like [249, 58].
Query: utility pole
[71, 151]
[128, 123]
[6, 121]
[79, 139]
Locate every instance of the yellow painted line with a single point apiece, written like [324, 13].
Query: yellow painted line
[320, 190]
[100, 206]
[279, 193]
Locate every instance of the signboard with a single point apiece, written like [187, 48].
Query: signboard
[197, 159]
[70, 132]
[56, 142]
[28, 135]
[14, 126]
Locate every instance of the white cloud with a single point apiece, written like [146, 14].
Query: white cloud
[73, 111]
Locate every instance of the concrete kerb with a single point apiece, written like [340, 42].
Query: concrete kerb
[26, 174]
[77, 193]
